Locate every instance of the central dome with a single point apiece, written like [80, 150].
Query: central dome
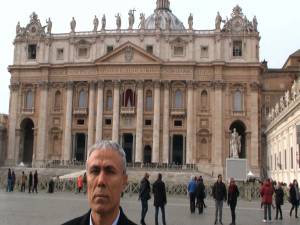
[163, 15]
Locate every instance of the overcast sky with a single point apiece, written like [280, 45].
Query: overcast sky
[278, 23]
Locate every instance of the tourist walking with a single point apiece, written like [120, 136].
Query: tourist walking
[23, 181]
[219, 194]
[266, 193]
[35, 182]
[144, 196]
[84, 181]
[160, 198]
[9, 181]
[279, 194]
[79, 183]
[294, 197]
[200, 194]
[233, 194]
[13, 180]
[30, 179]
[192, 186]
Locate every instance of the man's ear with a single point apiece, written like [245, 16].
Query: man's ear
[125, 181]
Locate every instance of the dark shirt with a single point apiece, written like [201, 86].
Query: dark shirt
[219, 191]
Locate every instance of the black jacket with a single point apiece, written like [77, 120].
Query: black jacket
[293, 196]
[85, 220]
[159, 192]
[233, 194]
[279, 196]
[144, 192]
[200, 191]
[219, 191]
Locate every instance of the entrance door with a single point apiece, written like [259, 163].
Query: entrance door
[80, 147]
[177, 156]
[147, 154]
[128, 146]
[27, 141]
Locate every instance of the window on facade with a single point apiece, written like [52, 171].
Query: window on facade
[129, 98]
[32, 51]
[148, 122]
[177, 123]
[178, 51]
[82, 102]
[292, 158]
[109, 48]
[107, 121]
[149, 49]
[109, 101]
[82, 52]
[29, 100]
[204, 51]
[204, 98]
[60, 53]
[80, 122]
[178, 99]
[237, 48]
[237, 101]
[149, 101]
[57, 101]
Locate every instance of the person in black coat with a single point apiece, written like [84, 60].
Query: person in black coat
[106, 180]
[144, 196]
[233, 194]
[35, 182]
[30, 182]
[294, 197]
[279, 194]
[160, 198]
[219, 194]
[200, 194]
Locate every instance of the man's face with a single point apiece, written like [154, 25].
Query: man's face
[106, 180]
[219, 178]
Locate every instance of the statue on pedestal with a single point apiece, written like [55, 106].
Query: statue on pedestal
[235, 144]
[73, 25]
[49, 26]
[190, 21]
[118, 21]
[218, 21]
[142, 23]
[96, 23]
[131, 18]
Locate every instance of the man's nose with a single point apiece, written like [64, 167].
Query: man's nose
[101, 178]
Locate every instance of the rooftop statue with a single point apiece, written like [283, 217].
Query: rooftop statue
[103, 21]
[118, 21]
[73, 25]
[190, 21]
[142, 23]
[18, 28]
[131, 18]
[49, 26]
[96, 24]
[254, 22]
[218, 21]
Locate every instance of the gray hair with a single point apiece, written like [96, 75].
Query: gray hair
[101, 145]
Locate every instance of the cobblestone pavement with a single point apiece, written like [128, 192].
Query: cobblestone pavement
[50, 209]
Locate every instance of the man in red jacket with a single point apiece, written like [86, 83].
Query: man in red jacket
[266, 193]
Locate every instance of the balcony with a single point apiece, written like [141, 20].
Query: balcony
[178, 112]
[127, 110]
[80, 111]
[27, 111]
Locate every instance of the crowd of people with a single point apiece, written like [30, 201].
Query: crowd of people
[31, 180]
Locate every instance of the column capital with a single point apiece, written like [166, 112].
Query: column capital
[44, 85]
[92, 83]
[219, 84]
[166, 83]
[190, 83]
[140, 83]
[116, 83]
[69, 85]
[157, 83]
[100, 83]
[255, 86]
[14, 86]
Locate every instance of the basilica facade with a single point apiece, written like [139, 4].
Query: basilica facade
[169, 94]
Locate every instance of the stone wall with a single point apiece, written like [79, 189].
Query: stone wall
[3, 137]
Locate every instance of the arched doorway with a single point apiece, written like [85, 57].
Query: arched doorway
[147, 154]
[177, 153]
[241, 130]
[27, 140]
[128, 146]
[80, 147]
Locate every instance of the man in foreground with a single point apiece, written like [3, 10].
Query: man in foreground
[106, 179]
[220, 194]
[144, 196]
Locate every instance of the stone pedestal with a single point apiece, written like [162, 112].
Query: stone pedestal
[236, 168]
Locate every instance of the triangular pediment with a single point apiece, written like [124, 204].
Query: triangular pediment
[128, 53]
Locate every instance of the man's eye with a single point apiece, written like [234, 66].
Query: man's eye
[94, 171]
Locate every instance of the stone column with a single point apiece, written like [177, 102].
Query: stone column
[218, 127]
[156, 122]
[11, 157]
[116, 112]
[42, 123]
[68, 122]
[254, 112]
[91, 123]
[166, 121]
[99, 120]
[139, 123]
[190, 121]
